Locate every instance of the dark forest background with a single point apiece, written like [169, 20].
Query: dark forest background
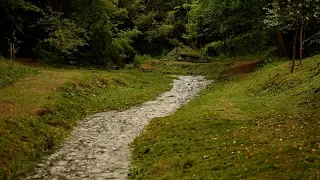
[110, 33]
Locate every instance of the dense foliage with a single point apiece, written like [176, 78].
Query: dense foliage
[111, 32]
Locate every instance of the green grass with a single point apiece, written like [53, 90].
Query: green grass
[265, 126]
[10, 71]
[209, 70]
[64, 97]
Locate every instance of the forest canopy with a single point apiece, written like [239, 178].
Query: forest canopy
[110, 33]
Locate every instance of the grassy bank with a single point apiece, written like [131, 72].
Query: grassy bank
[10, 71]
[209, 70]
[40, 105]
[265, 126]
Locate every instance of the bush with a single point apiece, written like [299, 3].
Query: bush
[249, 43]
[141, 59]
[64, 40]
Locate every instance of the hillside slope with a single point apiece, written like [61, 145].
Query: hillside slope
[39, 106]
[265, 126]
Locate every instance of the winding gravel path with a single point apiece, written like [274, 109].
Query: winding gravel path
[99, 146]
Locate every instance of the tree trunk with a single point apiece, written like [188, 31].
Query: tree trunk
[295, 9]
[301, 40]
[294, 50]
[282, 50]
[225, 45]
[11, 51]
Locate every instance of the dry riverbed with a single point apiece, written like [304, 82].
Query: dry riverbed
[99, 146]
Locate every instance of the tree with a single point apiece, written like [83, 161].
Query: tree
[14, 17]
[162, 24]
[222, 20]
[292, 15]
[65, 37]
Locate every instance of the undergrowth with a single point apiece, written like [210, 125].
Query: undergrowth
[265, 126]
[141, 59]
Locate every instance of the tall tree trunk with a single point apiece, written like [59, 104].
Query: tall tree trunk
[294, 50]
[282, 50]
[301, 40]
[295, 9]
[225, 44]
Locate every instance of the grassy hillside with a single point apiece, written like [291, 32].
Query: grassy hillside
[40, 105]
[264, 126]
[10, 71]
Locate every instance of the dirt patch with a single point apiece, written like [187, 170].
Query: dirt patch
[146, 67]
[50, 81]
[242, 68]
[25, 97]
[39, 111]
[99, 146]
[28, 61]
[8, 108]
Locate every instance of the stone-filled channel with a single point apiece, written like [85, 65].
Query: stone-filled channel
[98, 148]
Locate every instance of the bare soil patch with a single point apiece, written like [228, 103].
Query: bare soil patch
[29, 94]
[242, 68]
[28, 61]
[9, 108]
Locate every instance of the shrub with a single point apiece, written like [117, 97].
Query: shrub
[141, 59]
[65, 38]
[249, 43]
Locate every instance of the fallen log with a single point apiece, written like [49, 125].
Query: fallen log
[188, 55]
